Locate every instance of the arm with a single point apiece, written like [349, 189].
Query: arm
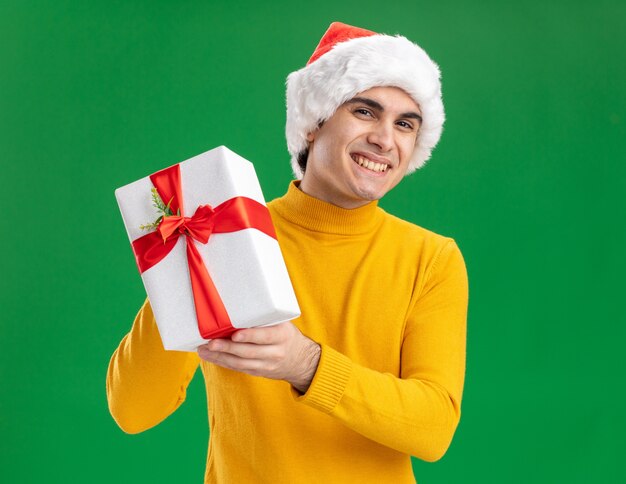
[418, 412]
[145, 383]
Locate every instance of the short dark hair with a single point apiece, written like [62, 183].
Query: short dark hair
[303, 156]
[302, 159]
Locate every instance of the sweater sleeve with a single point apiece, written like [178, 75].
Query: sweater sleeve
[145, 383]
[416, 413]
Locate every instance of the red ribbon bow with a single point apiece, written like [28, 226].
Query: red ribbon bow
[198, 227]
[234, 214]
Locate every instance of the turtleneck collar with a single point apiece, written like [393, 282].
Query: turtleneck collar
[319, 216]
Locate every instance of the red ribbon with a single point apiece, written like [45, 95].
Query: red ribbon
[234, 214]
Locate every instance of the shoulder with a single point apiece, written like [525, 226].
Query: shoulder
[272, 204]
[433, 250]
[276, 206]
[411, 233]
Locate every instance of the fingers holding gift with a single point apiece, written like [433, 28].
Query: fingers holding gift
[253, 359]
[231, 362]
[264, 335]
[279, 352]
[244, 350]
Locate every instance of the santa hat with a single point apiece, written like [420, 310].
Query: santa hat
[349, 60]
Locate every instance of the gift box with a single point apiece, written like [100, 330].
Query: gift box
[206, 249]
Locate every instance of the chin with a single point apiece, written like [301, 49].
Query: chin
[369, 195]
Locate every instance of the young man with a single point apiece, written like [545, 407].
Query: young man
[373, 370]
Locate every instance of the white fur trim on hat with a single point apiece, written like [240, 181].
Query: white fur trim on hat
[316, 91]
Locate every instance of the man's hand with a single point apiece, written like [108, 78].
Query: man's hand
[280, 352]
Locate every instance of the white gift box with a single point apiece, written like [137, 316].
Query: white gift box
[246, 266]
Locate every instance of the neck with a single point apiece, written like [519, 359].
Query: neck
[344, 202]
[320, 216]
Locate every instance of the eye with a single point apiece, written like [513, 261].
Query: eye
[363, 111]
[405, 125]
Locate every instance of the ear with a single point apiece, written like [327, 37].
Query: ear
[310, 137]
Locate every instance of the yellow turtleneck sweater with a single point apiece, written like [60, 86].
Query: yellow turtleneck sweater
[386, 300]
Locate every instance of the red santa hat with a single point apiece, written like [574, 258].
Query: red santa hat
[350, 60]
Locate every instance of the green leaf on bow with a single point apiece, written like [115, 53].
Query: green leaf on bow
[168, 210]
[163, 209]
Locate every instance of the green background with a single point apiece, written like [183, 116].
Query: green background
[529, 178]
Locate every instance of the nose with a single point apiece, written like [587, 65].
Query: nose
[381, 135]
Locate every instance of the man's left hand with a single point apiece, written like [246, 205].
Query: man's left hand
[280, 352]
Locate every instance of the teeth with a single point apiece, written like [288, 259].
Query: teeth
[370, 165]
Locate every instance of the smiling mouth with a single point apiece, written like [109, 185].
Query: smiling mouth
[368, 164]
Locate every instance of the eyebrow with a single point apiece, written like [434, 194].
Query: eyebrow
[379, 107]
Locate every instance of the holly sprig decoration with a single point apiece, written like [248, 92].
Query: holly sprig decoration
[163, 209]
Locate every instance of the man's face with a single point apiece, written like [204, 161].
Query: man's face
[363, 150]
